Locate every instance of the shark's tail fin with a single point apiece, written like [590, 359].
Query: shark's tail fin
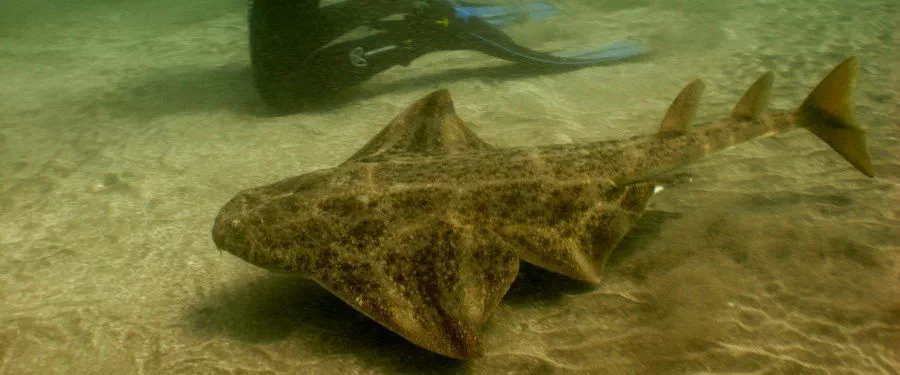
[828, 113]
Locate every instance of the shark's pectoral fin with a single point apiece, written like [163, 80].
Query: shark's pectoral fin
[435, 283]
[580, 248]
[428, 127]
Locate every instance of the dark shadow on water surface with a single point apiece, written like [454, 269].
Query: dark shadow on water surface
[278, 307]
[183, 90]
[189, 90]
[536, 286]
[648, 229]
[498, 73]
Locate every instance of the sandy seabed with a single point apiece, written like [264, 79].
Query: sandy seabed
[126, 125]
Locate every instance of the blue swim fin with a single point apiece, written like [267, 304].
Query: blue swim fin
[621, 50]
[615, 52]
[483, 23]
[503, 15]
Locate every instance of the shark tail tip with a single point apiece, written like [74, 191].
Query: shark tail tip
[828, 113]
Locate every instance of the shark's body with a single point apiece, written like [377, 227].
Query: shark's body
[423, 228]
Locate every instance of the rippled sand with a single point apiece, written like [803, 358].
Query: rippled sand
[126, 125]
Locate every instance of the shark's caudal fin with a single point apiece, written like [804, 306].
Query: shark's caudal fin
[828, 113]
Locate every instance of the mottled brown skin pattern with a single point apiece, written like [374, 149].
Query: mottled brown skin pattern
[382, 234]
[423, 228]
[428, 245]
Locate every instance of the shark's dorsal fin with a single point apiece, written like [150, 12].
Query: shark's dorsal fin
[681, 112]
[429, 127]
[755, 101]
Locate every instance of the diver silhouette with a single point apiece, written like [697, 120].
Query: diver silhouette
[301, 53]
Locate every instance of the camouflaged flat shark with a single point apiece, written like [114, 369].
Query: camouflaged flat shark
[423, 229]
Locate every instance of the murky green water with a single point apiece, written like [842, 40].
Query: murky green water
[126, 125]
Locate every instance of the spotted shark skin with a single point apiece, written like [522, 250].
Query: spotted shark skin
[424, 227]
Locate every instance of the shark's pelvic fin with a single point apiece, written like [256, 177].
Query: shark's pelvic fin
[429, 127]
[436, 286]
[755, 101]
[681, 113]
[828, 113]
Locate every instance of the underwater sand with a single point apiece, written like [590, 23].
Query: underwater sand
[125, 126]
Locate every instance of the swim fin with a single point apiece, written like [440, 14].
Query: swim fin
[620, 50]
[503, 15]
[500, 47]
[475, 27]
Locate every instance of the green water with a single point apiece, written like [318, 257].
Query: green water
[126, 125]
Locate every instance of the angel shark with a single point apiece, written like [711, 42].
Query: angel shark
[424, 227]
